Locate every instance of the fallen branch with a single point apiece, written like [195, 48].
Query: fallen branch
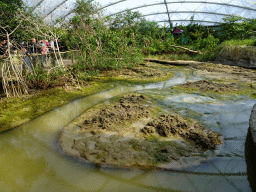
[192, 51]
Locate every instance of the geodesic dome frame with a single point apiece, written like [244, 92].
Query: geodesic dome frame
[206, 12]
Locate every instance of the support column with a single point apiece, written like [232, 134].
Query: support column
[168, 14]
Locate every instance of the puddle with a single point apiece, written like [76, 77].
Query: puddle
[188, 98]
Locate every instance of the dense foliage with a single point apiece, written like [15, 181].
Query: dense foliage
[99, 47]
[8, 17]
[103, 43]
[236, 27]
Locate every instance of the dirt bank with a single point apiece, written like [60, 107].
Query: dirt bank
[127, 132]
[221, 71]
[170, 124]
[204, 85]
[140, 74]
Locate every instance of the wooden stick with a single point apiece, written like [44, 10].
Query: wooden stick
[192, 51]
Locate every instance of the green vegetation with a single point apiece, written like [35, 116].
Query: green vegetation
[8, 17]
[120, 42]
[239, 42]
[16, 111]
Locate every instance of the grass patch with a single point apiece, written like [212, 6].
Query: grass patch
[236, 49]
[239, 42]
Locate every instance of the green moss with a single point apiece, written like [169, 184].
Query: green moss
[153, 138]
[188, 114]
[16, 111]
[253, 95]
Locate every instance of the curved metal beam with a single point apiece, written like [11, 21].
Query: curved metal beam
[71, 11]
[204, 12]
[55, 8]
[204, 2]
[190, 20]
[111, 4]
[38, 4]
[170, 23]
[67, 14]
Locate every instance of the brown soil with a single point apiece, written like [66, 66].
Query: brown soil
[168, 125]
[108, 136]
[204, 85]
[126, 109]
[141, 70]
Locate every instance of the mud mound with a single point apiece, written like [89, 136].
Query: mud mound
[127, 108]
[108, 136]
[204, 85]
[168, 125]
[220, 68]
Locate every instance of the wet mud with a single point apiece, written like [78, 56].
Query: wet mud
[221, 71]
[170, 124]
[128, 133]
[205, 85]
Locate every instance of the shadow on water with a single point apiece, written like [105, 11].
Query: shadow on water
[250, 158]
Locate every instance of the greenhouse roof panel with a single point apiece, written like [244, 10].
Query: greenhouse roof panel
[177, 11]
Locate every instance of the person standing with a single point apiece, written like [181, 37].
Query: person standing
[43, 56]
[25, 58]
[33, 47]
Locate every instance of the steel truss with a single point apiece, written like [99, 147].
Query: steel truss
[154, 4]
[202, 21]
[180, 2]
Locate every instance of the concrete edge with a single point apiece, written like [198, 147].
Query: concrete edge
[252, 124]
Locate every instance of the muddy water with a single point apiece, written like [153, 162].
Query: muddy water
[30, 159]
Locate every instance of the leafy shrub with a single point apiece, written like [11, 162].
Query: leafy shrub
[236, 27]
[42, 79]
[209, 43]
[99, 47]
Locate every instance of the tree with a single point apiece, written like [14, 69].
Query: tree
[236, 27]
[9, 17]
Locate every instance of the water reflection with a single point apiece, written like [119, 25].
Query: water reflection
[29, 161]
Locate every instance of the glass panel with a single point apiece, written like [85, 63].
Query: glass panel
[179, 9]
[61, 11]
